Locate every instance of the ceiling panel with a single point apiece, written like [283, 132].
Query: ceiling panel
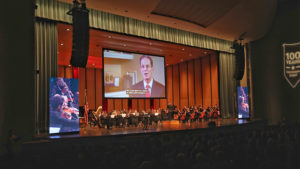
[225, 19]
[200, 12]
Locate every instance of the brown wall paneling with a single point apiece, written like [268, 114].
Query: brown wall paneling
[125, 104]
[81, 80]
[198, 83]
[99, 83]
[68, 72]
[169, 89]
[156, 104]
[183, 85]
[163, 103]
[191, 83]
[176, 85]
[141, 104]
[110, 105]
[214, 80]
[90, 81]
[134, 104]
[61, 71]
[147, 104]
[118, 104]
[206, 82]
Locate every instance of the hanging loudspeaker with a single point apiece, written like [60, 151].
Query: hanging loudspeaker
[80, 47]
[239, 61]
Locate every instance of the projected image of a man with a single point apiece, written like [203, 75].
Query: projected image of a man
[146, 66]
[154, 88]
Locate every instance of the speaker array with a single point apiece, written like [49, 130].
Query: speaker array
[239, 61]
[80, 47]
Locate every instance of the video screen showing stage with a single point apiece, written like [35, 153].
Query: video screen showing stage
[243, 104]
[63, 105]
[133, 75]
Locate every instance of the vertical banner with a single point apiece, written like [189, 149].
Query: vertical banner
[63, 105]
[243, 103]
[291, 63]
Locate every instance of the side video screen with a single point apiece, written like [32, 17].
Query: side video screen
[243, 104]
[63, 105]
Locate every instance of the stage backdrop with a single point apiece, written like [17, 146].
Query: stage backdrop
[194, 82]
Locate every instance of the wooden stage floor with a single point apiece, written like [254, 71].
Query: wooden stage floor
[172, 125]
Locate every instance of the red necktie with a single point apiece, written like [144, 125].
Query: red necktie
[147, 94]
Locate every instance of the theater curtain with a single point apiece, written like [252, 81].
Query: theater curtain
[227, 85]
[55, 10]
[46, 67]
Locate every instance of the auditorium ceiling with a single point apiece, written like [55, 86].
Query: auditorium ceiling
[173, 53]
[224, 19]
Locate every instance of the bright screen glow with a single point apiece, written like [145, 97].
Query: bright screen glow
[133, 75]
[63, 105]
[243, 104]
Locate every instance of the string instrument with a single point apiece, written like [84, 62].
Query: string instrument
[183, 116]
[193, 115]
[70, 113]
[216, 113]
[202, 114]
[176, 116]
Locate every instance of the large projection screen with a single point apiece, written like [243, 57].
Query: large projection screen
[133, 75]
[63, 105]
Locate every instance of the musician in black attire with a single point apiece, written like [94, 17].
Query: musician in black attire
[123, 118]
[207, 112]
[62, 89]
[60, 119]
[163, 114]
[145, 121]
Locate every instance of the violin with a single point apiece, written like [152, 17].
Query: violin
[193, 115]
[183, 116]
[70, 113]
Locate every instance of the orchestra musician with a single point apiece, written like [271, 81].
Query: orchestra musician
[66, 121]
[134, 118]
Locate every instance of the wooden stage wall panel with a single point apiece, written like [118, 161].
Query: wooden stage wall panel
[191, 83]
[125, 104]
[176, 85]
[110, 105]
[82, 81]
[118, 104]
[206, 82]
[134, 104]
[214, 80]
[183, 80]
[194, 82]
[163, 103]
[156, 103]
[68, 72]
[141, 104]
[147, 104]
[90, 78]
[198, 83]
[61, 71]
[99, 87]
[169, 87]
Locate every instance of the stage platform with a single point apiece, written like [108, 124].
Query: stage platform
[164, 126]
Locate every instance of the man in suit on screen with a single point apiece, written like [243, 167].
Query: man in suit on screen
[151, 87]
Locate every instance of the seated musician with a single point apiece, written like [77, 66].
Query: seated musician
[103, 119]
[99, 111]
[124, 118]
[145, 120]
[207, 113]
[193, 115]
[118, 119]
[66, 122]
